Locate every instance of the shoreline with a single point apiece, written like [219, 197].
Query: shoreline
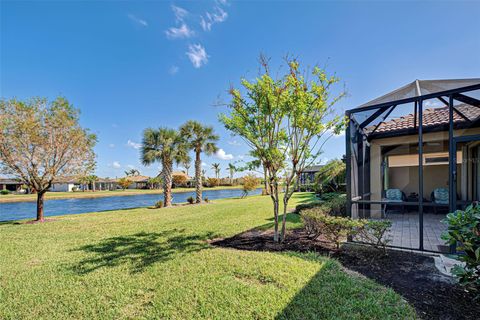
[99, 194]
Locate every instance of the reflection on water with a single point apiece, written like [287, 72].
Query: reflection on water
[26, 210]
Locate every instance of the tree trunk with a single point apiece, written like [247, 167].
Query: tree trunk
[198, 177]
[167, 184]
[40, 198]
[265, 179]
[274, 197]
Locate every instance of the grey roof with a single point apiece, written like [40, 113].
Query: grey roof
[9, 181]
[422, 87]
[313, 168]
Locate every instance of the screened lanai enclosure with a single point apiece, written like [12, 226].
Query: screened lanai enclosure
[413, 155]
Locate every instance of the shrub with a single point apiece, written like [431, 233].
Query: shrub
[179, 180]
[213, 182]
[124, 183]
[4, 192]
[324, 218]
[464, 231]
[159, 204]
[373, 232]
[250, 183]
[304, 206]
[191, 200]
[337, 206]
[338, 228]
[206, 200]
[312, 222]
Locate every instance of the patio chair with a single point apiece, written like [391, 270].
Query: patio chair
[394, 196]
[439, 196]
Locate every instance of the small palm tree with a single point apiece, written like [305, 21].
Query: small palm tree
[201, 139]
[132, 173]
[92, 179]
[186, 165]
[165, 146]
[231, 169]
[216, 168]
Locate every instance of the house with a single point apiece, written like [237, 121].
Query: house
[70, 184]
[307, 177]
[10, 184]
[181, 179]
[67, 184]
[138, 182]
[413, 155]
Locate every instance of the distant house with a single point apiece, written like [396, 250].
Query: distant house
[138, 182]
[307, 177]
[183, 176]
[74, 184]
[10, 184]
[65, 185]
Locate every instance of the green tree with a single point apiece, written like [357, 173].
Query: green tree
[165, 146]
[216, 169]
[92, 179]
[285, 122]
[330, 175]
[43, 141]
[200, 138]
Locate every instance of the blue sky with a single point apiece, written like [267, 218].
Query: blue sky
[129, 65]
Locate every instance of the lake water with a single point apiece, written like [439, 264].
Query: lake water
[27, 210]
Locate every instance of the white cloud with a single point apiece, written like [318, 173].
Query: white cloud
[133, 145]
[197, 55]
[111, 145]
[179, 13]
[181, 32]
[116, 165]
[217, 16]
[131, 166]
[222, 155]
[234, 143]
[432, 104]
[173, 70]
[224, 2]
[241, 156]
[138, 21]
[204, 164]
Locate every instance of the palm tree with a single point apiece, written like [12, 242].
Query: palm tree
[186, 165]
[231, 169]
[92, 179]
[201, 139]
[216, 168]
[165, 146]
[132, 173]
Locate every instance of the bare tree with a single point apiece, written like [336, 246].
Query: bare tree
[41, 142]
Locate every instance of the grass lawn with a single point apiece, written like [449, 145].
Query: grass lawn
[97, 194]
[156, 263]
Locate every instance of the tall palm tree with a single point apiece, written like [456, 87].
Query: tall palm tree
[216, 168]
[231, 169]
[165, 146]
[201, 139]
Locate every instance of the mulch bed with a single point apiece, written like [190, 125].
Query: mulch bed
[414, 276]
